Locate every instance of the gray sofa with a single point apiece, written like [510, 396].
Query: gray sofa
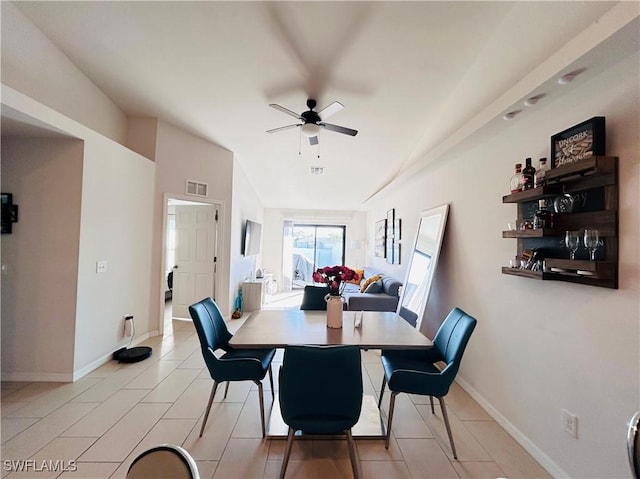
[386, 300]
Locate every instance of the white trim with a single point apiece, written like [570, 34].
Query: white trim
[545, 461]
[38, 377]
[105, 359]
[220, 205]
[66, 377]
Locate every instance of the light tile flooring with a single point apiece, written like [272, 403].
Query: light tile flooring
[98, 424]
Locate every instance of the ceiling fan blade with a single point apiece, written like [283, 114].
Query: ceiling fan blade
[329, 110]
[283, 128]
[285, 110]
[339, 129]
[313, 140]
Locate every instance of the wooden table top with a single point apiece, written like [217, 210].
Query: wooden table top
[280, 328]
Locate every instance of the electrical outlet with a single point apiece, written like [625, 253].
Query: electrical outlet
[570, 423]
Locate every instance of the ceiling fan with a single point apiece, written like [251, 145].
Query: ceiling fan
[312, 121]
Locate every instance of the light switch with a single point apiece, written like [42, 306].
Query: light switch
[101, 266]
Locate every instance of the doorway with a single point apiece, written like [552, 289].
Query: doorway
[189, 256]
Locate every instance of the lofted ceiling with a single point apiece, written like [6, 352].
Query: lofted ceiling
[410, 75]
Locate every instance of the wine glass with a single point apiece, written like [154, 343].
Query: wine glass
[572, 241]
[591, 240]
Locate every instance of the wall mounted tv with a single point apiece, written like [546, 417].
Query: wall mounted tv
[252, 238]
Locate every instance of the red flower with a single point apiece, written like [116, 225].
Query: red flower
[334, 277]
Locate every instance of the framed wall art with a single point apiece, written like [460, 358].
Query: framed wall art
[397, 229]
[397, 236]
[380, 237]
[390, 239]
[579, 142]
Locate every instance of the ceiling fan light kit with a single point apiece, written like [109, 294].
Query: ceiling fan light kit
[310, 129]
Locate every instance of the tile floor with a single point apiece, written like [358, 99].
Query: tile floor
[93, 428]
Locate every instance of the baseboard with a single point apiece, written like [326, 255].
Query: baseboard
[38, 377]
[79, 373]
[545, 461]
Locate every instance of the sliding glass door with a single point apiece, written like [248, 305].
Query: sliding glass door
[316, 246]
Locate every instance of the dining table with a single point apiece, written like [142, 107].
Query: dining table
[365, 329]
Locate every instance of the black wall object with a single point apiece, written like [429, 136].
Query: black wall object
[9, 212]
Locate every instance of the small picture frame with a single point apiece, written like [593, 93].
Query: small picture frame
[390, 240]
[397, 229]
[380, 249]
[579, 142]
[396, 252]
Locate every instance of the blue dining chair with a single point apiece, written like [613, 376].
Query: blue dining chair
[415, 372]
[321, 393]
[313, 298]
[234, 364]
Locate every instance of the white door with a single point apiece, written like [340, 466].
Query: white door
[194, 269]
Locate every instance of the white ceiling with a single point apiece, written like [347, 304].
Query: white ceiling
[409, 74]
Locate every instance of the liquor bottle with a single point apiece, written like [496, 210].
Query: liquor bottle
[540, 173]
[528, 175]
[542, 217]
[516, 179]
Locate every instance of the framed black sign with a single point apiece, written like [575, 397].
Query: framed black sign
[581, 141]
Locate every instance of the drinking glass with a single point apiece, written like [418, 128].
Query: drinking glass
[572, 241]
[591, 240]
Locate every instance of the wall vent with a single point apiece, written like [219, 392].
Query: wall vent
[195, 188]
[316, 170]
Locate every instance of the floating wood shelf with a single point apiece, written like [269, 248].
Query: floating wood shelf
[597, 177]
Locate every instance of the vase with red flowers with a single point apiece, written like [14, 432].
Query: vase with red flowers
[335, 277]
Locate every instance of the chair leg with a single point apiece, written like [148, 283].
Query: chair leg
[384, 383]
[271, 382]
[433, 411]
[353, 454]
[261, 394]
[206, 414]
[391, 406]
[287, 453]
[446, 423]
[226, 389]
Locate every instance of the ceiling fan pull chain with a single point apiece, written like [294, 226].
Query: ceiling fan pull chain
[318, 149]
[299, 142]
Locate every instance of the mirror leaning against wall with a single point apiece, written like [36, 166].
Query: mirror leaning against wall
[423, 261]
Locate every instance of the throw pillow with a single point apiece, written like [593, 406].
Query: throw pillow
[358, 277]
[375, 287]
[368, 281]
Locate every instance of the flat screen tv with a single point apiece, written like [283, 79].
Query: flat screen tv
[252, 238]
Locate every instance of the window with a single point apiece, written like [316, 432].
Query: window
[316, 246]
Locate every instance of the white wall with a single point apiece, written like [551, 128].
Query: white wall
[246, 205]
[355, 221]
[37, 68]
[116, 226]
[40, 257]
[181, 156]
[142, 136]
[541, 346]
[114, 214]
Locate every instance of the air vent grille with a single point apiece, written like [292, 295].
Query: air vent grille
[195, 188]
[316, 170]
